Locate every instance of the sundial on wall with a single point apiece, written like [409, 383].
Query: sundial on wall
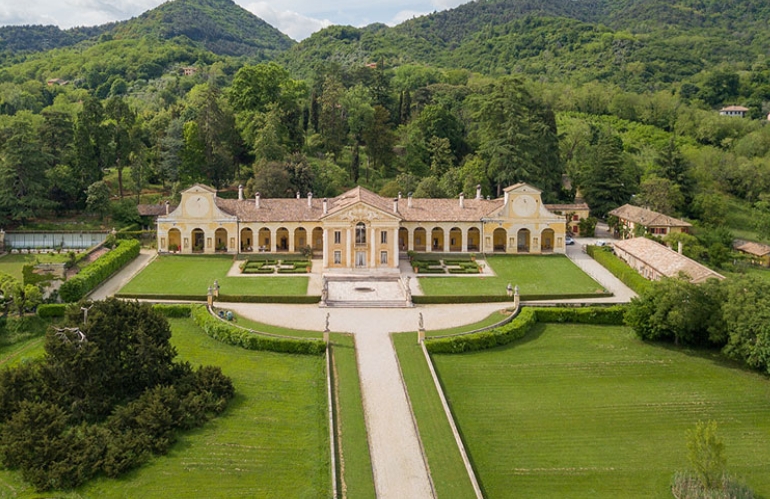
[196, 206]
[524, 206]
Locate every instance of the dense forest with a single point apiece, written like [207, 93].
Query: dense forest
[621, 98]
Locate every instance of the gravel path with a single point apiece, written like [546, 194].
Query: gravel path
[120, 279]
[397, 461]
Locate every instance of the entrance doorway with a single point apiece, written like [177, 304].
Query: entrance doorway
[360, 258]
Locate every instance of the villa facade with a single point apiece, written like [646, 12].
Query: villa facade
[360, 229]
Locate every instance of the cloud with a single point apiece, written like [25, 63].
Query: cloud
[405, 15]
[294, 24]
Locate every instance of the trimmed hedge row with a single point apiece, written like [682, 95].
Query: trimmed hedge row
[439, 299]
[227, 333]
[521, 325]
[618, 268]
[608, 316]
[301, 300]
[173, 311]
[502, 335]
[90, 277]
[51, 310]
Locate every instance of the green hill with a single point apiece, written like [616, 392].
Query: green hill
[220, 26]
[638, 44]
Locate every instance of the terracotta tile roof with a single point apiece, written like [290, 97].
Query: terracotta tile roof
[273, 210]
[752, 248]
[154, 210]
[359, 194]
[565, 208]
[735, 108]
[646, 217]
[664, 260]
[516, 186]
[447, 210]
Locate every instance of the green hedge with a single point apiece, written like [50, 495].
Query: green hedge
[439, 299]
[618, 268]
[173, 311]
[302, 300]
[502, 335]
[521, 325]
[50, 310]
[611, 316]
[227, 333]
[90, 277]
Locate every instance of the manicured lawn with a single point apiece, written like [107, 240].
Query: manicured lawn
[354, 461]
[12, 264]
[268, 328]
[493, 318]
[534, 274]
[192, 275]
[446, 466]
[579, 411]
[272, 441]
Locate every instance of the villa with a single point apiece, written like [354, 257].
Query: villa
[360, 229]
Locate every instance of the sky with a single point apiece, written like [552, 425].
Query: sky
[297, 18]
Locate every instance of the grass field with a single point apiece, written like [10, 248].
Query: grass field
[534, 274]
[444, 460]
[272, 441]
[192, 275]
[590, 411]
[283, 331]
[12, 264]
[493, 318]
[354, 462]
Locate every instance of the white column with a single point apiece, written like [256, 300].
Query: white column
[447, 234]
[325, 250]
[349, 246]
[373, 252]
[395, 248]
[464, 239]
[429, 242]
[291, 239]
[273, 242]
[410, 240]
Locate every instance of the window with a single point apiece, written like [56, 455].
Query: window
[360, 233]
[337, 237]
[338, 257]
[383, 237]
[575, 218]
[383, 257]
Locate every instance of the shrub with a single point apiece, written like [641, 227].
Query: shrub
[175, 311]
[51, 310]
[502, 335]
[618, 268]
[583, 315]
[250, 340]
[89, 278]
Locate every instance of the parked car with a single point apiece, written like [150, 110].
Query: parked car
[602, 242]
[569, 241]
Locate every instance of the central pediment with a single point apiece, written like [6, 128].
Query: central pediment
[362, 212]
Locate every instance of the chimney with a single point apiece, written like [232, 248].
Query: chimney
[240, 192]
[478, 191]
[297, 194]
[409, 200]
[679, 247]
[325, 206]
[395, 205]
[309, 199]
[506, 199]
[399, 195]
[167, 207]
[462, 200]
[256, 200]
